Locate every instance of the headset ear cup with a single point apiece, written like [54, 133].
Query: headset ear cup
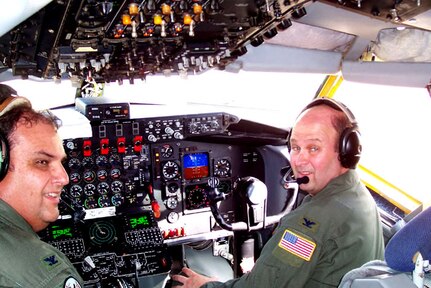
[4, 156]
[350, 147]
[288, 141]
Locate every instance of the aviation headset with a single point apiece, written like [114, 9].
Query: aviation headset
[350, 147]
[4, 156]
[7, 102]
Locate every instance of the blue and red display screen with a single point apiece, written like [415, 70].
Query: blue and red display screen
[196, 165]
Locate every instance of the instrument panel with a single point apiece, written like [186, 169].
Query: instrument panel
[139, 187]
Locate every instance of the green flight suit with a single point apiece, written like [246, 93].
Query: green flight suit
[329, 234]
[27, 261]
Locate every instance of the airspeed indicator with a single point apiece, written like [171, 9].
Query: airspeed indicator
[170, 170]
[222, 168]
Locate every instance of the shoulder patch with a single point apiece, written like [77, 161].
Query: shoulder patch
[297, 245]
[71, 283]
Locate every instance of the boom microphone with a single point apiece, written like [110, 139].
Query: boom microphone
[414, 237]
[288, 177]
[303, 180]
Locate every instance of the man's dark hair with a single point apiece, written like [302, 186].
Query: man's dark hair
[26, 116]
[18, 110]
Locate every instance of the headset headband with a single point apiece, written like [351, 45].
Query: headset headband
[333, 104]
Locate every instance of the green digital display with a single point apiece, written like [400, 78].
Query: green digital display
[137, 222]
[60, 232]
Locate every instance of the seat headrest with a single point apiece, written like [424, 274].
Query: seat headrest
[414, 237]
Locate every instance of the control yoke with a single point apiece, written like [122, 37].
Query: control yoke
[254, 192]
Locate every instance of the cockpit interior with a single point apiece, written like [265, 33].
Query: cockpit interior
[160, 179]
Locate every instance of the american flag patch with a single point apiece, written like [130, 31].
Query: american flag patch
[297, 245]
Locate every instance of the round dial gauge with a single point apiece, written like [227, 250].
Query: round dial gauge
[117, 199]
[87, 162]
[115, 173]
[89, 176]
[222, 168]
[170, 170]
[104, 201]
[171, 202]
[103, 188]
[173, 217]
[102, 175]
[166, 151]
[115, 159]
[75, 178]
[196, 198]
[89, 189]
[74, 163]
[70, 145]
[90, 203]
[117, 186]
[224, 187]
[75, 191]
[102, 161]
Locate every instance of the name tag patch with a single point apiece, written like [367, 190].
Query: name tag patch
[297, 245]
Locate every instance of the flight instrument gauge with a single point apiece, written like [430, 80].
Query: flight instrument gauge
[222, 168]
[87, 162]
[74, 163]
[115, 159]
[115, 173]
[90, 189]
[196, 198]
[102, 175]
[90, 203]
[103, 188]
[170, 170]
[166, 151]
[89, 176]
[172, 202]
[117, 199]
[104, 201]
[117, 186]
[102, 161]
[75, 191]
[75, 178]
[173, 217]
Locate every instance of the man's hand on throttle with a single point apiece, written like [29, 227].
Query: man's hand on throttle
[190, 279]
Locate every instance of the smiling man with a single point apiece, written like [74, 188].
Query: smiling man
[31, 179]
[337, 226]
